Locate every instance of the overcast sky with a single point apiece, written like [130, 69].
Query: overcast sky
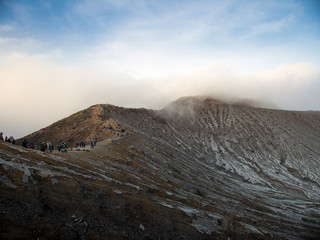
[58, 57]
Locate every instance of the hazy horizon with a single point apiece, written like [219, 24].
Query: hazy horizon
[59, 57]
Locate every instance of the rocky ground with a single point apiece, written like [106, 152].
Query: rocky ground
[197, 169]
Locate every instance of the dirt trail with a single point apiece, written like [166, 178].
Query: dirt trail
[99, 148]
[102, 145]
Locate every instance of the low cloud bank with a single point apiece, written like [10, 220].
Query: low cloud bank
[37, 92]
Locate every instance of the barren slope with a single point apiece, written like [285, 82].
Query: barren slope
[199, 168]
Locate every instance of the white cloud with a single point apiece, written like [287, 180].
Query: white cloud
[7, 28]
[273, 26]
[16, 46]
[39, 91]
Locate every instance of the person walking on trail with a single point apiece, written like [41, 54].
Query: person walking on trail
[1, 136]
[12, 140]
[43, 147]
[24, 143]
[50, 146]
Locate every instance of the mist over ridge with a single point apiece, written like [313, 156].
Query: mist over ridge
[71, 88]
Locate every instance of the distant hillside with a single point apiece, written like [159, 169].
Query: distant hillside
[198, 169]
[88, 124]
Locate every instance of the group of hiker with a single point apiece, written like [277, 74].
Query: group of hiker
[63, 147]
[42, 146]
[9, 140]
[48, 146]
[84, 143]
[25, 144]
[45, 146]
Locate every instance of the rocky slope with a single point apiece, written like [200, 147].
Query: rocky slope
[197, 169]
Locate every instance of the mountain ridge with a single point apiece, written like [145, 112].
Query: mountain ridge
[187, 101]
[212, 169]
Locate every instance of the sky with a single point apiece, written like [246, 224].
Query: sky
[59, 57]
